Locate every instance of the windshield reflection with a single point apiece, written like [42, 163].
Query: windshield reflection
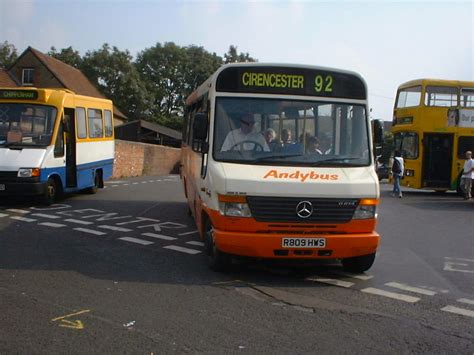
[290, 132]
[26, 125]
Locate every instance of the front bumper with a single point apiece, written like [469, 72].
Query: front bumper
[22, 188]
[269, 245]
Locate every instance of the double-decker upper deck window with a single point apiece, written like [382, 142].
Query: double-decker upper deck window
[441, 96]
[96, 125]
[467, 97]
[409, 97]
[27, 76]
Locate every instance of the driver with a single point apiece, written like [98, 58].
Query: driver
[245, 138]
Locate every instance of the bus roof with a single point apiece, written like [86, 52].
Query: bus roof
[436, 82]
[211, 81]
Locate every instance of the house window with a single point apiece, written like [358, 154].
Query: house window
[27, 76]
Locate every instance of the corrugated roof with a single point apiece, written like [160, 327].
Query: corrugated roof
[161, 129]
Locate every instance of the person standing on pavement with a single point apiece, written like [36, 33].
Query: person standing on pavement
[467, 175]
[397, 173]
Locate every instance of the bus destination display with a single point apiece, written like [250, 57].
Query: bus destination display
[18, 95]
[291, 81]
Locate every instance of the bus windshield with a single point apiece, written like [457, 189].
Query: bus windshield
[290, 132]
[26, 125]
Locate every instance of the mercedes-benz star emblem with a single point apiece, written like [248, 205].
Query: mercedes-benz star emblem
[304, 209]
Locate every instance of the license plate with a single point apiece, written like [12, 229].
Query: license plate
[2, 187]
[303, 242]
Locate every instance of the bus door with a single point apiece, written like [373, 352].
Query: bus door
[437, 160]
[70, 128]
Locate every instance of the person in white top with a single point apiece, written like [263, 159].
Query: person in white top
[467, 175]
[398, 167]
[245, 138]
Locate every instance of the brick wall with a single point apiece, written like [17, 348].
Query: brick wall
[137, 159]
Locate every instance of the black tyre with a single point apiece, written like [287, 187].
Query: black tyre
[51, 192]
[93, 190]
[217, 260]
[358, 264]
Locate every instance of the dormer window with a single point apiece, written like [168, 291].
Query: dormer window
[27, 76]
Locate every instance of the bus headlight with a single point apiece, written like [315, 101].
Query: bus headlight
[28, 172]
[233, 209]
[234, 206]
[367, 209]
[409, 172]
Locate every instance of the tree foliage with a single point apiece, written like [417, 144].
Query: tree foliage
[67, 55]
[233, 57]
[8, 54]
[113, 72]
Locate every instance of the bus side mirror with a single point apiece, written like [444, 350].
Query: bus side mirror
[200, 126]
[378, 132]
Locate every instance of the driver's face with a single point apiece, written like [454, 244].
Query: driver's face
[247, 126]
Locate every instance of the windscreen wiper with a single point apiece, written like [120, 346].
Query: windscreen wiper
[270, 157]
[336, 160]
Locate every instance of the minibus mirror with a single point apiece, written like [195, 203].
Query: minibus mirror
[378, 132]
[200, 126]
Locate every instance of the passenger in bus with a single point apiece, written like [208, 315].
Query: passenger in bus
[286, 137]
[245, 138]
[467, 176]
[313, 146]
[270, 138]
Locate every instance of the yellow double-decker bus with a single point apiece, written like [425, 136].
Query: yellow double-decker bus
[433, 126]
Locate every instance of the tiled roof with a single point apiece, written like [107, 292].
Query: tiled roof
[72, 78]
[6, 80]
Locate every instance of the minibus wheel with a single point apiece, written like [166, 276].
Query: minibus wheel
[51, 192]
[358, 264]
[217, 260]
[93, 190]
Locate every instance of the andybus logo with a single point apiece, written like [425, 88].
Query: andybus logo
[298, 175]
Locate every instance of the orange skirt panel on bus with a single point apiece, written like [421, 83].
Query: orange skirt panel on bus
[247, 237]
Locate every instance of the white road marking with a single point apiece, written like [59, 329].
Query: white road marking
[354, 276]
[135, 183]
[3, 215]
[199, 244]
[182, 250]
[126, 184]
[50, 216]
[450, 266]
[136, 240]
[457, 310]
[54, 225]
[397, 296]
[90, 231]
[333, 282]
[461, 259]
[23, 219]
[118, 229]
[466, 300]
[144, 182]
[17, 211]
[404, 287]
[158, 236]
[115, 186]
[186, 233]
[76, 221]
[151, 181]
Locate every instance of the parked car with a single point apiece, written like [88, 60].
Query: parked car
[382, 171]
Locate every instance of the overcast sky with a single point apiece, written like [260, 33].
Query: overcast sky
[388, 43]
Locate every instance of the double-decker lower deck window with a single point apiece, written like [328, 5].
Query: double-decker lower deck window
[407, 144]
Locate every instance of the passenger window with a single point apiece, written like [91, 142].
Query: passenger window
[81, 122]
[109, 126]
[441, 96]
[96, 125]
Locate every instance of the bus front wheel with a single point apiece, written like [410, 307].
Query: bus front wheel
[217, 260]
[358, 264]
[50, 193]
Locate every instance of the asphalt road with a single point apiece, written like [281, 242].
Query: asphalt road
[123, 271]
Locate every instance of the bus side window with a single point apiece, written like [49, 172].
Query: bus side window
[81, 122]
[109, 126]
[96, 124]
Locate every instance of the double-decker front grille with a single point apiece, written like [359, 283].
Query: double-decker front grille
[302, 210]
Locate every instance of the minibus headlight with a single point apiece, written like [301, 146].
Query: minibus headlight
[235, 209]
[28, 172]
[365, 212]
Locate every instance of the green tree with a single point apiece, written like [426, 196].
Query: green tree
[8, 54]
[114, 73]
[67, 55]
[232, 56]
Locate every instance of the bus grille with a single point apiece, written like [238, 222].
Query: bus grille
[284, 209]
[8, 176]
